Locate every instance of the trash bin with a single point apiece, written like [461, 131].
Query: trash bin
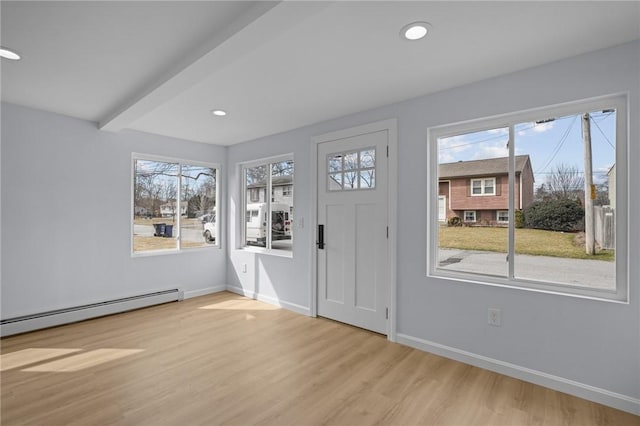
[160, 229]
[168, 231]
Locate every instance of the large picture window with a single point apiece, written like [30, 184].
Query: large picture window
[556, 218]
[268, 220]
[174, 205]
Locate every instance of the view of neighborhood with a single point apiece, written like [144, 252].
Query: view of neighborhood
[562, 178]
[552, 196]
[158, 210]
[273, 231]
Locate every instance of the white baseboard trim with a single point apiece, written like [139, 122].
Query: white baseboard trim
[204, 291]
[69, 315]
[571, 387]
[303, 310]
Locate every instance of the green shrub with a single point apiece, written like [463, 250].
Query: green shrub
[554, 215]
[454, 221]
[519, 219]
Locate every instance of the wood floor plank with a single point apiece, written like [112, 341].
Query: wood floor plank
[224, 359]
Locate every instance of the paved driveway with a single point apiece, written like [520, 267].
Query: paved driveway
[590, 273]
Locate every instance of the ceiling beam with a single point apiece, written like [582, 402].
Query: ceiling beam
[257, 26]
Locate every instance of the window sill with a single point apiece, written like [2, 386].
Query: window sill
[152, 253]
[269, 252]
[580, 292]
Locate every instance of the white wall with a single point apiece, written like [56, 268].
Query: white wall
[589, 348]
[66, 216]
[275, 279]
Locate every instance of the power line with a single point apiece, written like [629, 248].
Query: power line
[475, 142]
[561, 142]
[602, 133]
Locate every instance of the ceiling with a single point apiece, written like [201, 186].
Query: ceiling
[161, 67]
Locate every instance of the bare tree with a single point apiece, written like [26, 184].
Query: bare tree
[565, 182]
[255, 175]
[282, 168]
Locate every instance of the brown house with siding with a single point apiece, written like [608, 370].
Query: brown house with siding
[478, 191]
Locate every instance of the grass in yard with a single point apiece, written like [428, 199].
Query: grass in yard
[528, 241]
[142, 244]
[169, 221]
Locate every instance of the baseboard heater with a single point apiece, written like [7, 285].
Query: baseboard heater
[33, 322]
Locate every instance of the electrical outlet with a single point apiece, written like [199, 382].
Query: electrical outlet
[495, 317]
[244, 268]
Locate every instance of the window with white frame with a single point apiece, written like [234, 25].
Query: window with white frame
[502, 216]
[174, 204]
[349, 171]
[268, 221]
[485, 186]
[469, 215]
[566, 171]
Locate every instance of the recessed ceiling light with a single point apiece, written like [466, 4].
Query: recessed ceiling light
[219, 112]
[8, 54]
[415, 30]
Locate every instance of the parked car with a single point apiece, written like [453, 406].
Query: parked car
[209, 233]
[209, 217]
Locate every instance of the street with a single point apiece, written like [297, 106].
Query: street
[589, 273]
[188, 233]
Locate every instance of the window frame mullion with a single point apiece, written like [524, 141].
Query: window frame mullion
[179, 208]
[268, 197]
[512, 212]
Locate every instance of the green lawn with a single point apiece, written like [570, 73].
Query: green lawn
[528, 241]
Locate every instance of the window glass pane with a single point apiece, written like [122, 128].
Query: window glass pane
[350, 180]
[367, 179]
[198, 224]
[477, 186]
[256, 206]
[282, 205]
[155, 205]
[367, 158]
[488, 186]
[560, 194]
[335, 182]
[335, 163]
[351, 161]
[469, 239]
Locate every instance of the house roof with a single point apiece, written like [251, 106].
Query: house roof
[491, 166]
[275, 181]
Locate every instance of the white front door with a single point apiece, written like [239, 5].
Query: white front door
[442, 208]
[353, 211]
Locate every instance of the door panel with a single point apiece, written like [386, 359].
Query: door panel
[365, 257]
[335, 264]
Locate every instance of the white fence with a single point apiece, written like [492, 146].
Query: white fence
[605, 226]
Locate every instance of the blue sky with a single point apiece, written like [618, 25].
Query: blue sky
[548, 145]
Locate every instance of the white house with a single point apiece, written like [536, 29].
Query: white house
[171, 208]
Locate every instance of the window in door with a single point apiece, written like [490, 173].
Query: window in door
[349, 171]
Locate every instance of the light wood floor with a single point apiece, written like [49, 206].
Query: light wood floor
[224, 359]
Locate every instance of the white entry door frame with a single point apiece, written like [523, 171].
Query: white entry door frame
[391, 128]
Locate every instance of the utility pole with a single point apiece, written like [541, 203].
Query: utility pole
[589, 189]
